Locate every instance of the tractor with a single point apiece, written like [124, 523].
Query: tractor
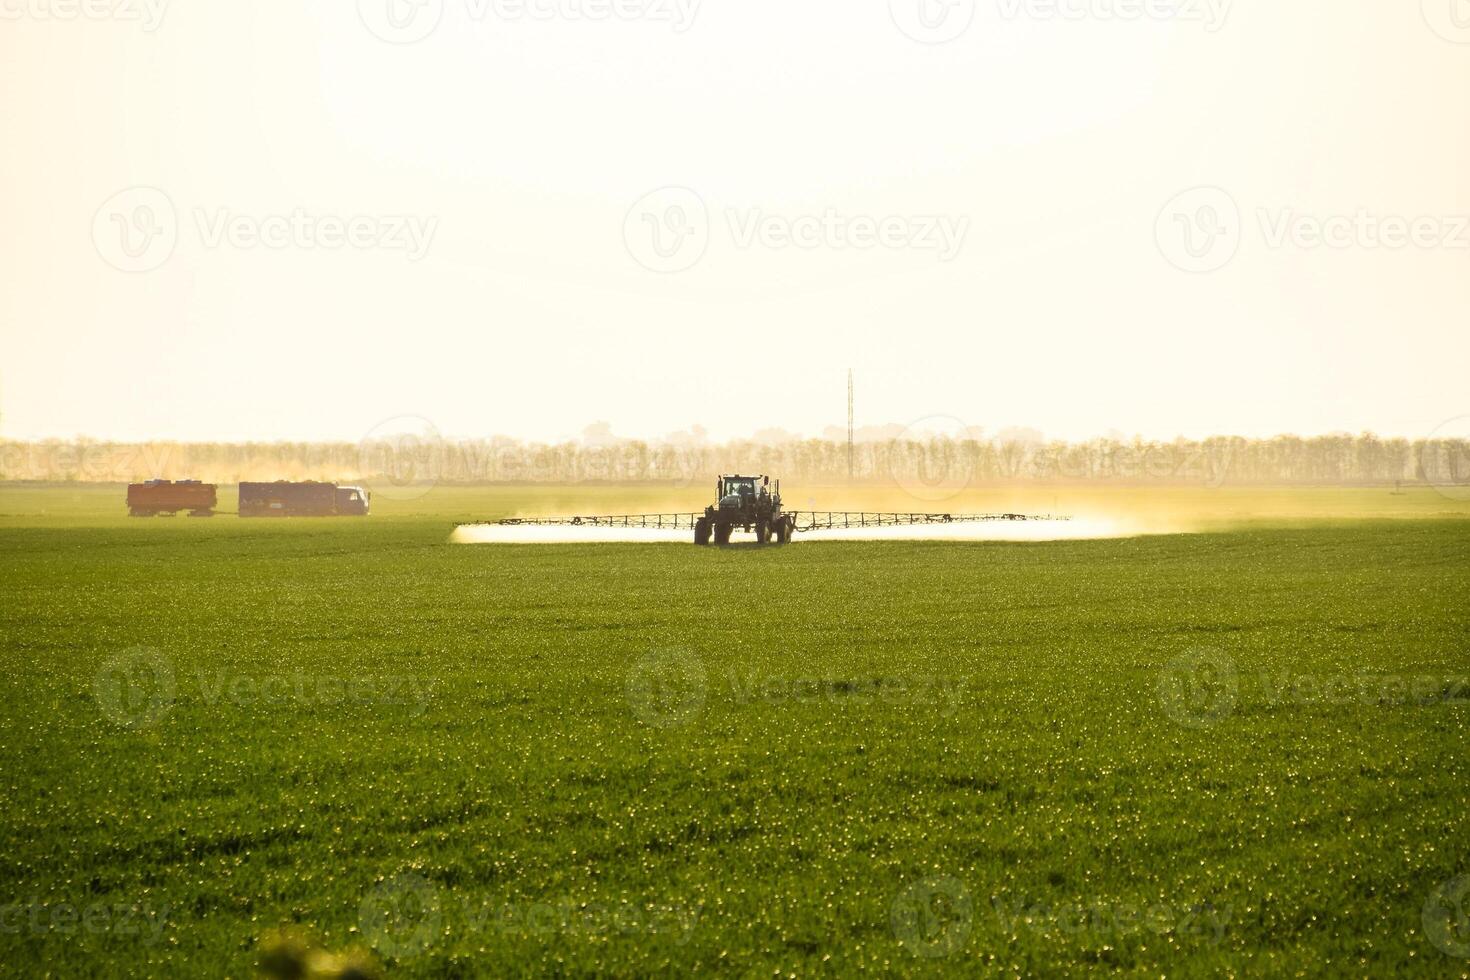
[747, 502]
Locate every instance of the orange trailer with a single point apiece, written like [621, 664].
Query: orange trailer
[167, 497]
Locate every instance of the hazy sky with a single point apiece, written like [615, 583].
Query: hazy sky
[297, 220]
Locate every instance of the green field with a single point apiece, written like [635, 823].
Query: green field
[1241, 751]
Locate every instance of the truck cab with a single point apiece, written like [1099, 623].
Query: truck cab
[353, 501]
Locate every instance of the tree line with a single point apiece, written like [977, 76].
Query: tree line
[1333, 459]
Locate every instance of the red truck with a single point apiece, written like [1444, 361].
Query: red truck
[284, 499]
[168, 497]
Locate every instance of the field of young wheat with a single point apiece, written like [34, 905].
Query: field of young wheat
[1240, 750]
